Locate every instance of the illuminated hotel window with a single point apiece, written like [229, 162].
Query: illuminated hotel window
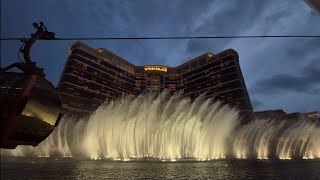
[186, 68]
[75, 71]
[84, 68]
[76, 93]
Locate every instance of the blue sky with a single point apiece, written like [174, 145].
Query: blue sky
[279, 73]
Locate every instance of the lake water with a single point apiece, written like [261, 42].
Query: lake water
[71, 168]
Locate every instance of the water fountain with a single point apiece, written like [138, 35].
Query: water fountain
[149, 128]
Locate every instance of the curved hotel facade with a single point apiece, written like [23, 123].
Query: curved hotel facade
[92, 76]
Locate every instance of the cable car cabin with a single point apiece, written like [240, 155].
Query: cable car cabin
[30, 109]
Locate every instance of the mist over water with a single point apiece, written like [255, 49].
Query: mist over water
[152, 128]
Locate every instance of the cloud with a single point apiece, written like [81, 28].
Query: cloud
[306, 81]
[271, 67]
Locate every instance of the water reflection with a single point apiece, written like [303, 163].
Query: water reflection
[53, 168]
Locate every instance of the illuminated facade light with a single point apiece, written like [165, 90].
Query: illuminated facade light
[156, 68]
[210, 55]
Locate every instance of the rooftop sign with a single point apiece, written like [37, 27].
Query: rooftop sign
[156, 68]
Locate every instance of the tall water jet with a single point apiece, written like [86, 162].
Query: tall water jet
[148, 126]
[298, 140]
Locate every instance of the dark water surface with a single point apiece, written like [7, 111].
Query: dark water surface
[71, 168]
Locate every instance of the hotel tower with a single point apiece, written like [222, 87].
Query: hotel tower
[93, 76]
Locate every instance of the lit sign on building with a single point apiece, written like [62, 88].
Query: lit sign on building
[210, 55]
[156, 68]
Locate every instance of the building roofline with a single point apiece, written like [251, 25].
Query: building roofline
[194, 59]
[97, 51]
[118, 57]
[231, 51]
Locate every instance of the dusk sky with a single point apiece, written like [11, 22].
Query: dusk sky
[280, 73]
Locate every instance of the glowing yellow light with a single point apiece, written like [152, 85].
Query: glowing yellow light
[156, 68]
[44, 156]
[284, 158]
[262, 158]
[94, 157]
[210, 55]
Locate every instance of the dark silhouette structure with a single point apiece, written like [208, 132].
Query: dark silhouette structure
[29, 67]
[30, 106]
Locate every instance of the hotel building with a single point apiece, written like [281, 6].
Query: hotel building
[92, 76]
